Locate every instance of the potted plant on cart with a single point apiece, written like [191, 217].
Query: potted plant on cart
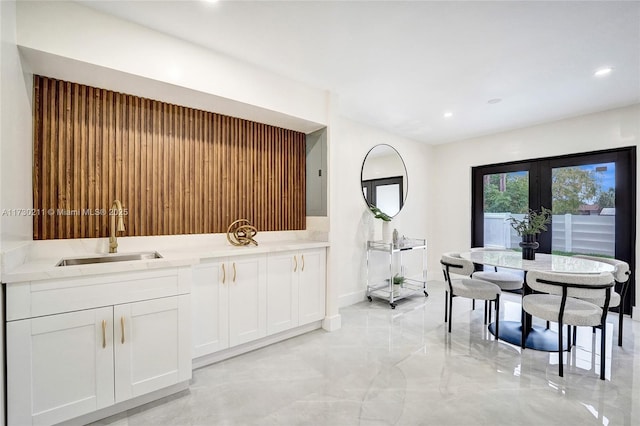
[398, 281]
[528, 228]
[387, 234]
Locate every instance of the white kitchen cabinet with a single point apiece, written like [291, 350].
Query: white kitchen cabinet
[282, 292]
[59, 366]
[229, 303]
[296, 283]
[151, 345]
[65, 365]
[247, 291]
[209, 308]
[312, 285]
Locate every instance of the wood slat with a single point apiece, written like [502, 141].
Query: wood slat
[177, 170]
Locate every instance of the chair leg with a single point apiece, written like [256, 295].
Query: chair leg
[473, 304]
[603, 346]
[497, 316]
[446, 305]
[575, 331]
[560, 360]
[548, 325]
[620, 320]
[569, 338]
[450, 310]
[490, 311]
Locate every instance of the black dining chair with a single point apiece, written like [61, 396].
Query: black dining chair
[560, 298]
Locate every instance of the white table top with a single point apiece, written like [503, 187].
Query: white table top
[543, 262]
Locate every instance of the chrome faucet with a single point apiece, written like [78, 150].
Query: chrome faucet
[116, 208]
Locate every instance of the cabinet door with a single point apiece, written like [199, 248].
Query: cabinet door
[246, 277]
[209, 308]
[59, 366]
[152, 345]
[312, 285]
[282, 291]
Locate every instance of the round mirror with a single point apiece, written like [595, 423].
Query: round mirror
[384, 179]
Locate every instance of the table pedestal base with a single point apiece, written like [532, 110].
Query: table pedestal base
[539, 338]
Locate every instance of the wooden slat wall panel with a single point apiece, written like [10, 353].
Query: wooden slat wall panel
[176, 170]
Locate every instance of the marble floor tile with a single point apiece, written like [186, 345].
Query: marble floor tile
[402, 367]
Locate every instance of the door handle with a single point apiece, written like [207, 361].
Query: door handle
[224, 274]
[104, 333]
[234, 272]
[303, 263]
[295, 268]
[122, 329]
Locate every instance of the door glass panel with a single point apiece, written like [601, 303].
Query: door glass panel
[505, 195]
[583, 205]
[388, 198]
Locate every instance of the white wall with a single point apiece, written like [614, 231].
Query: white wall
[452, 197]
[15, 134]
[15, 146]
[352, 224]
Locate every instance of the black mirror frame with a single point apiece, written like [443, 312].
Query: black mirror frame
[402, 180]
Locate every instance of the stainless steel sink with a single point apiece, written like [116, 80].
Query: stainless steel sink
[106, 258]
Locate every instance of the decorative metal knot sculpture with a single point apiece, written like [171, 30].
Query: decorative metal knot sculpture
[241, 233]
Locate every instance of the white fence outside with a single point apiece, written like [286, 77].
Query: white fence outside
[571, 233]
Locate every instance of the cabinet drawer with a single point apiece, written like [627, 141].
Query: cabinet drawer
[39, 298]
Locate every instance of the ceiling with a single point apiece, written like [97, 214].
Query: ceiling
[400, 65]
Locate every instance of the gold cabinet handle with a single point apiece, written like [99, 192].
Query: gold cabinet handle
[122, 329]
[224, 274]
[303, 263]
[104, 333]
[234, 272]
[295, 268]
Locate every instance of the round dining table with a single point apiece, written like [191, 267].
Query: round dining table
[536, 337]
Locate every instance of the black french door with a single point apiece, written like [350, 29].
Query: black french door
[592, 196]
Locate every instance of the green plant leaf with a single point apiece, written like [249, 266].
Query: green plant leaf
[379, 214]
[532, 223]
[398, 279]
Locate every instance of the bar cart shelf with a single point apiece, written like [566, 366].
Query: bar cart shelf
[390, 256]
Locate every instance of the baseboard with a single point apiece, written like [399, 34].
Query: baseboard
[332, 323]
[252, 346]
[351, 298]
[121, 407]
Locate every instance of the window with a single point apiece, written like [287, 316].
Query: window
[592, 196]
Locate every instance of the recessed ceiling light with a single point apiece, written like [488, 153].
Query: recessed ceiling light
[603, 71]
[494, 101]
[447, 114]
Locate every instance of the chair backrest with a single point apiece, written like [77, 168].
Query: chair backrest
[454, 264]
[585, 286]
[621, 272]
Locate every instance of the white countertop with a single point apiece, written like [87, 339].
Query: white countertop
[40, 257]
